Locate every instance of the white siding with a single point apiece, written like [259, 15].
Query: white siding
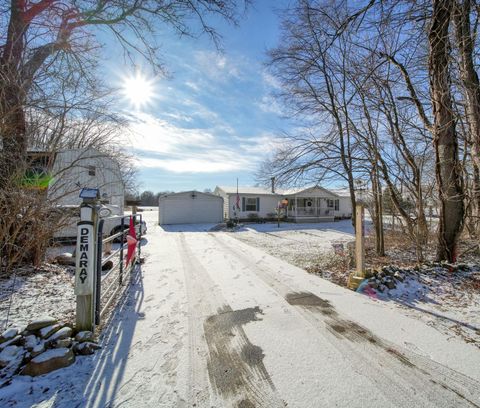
[268, 204]
[71, 174]
[345, 207]
[183, 208]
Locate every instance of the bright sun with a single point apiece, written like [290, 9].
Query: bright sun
[139, 90]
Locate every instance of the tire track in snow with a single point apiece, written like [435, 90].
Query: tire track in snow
[407, 379]
[234, 365]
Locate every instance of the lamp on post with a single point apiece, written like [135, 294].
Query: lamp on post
[358, 275]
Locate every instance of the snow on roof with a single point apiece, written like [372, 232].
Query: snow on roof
[342, 192]
[278, 191]
[192, 192]
[248, 190]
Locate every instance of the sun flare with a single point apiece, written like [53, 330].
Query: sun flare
[138, 90]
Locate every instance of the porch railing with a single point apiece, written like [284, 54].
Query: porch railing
[311, 212]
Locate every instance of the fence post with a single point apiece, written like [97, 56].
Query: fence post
[98, 274]
[85, 261]
[122, 243]
[140, 239]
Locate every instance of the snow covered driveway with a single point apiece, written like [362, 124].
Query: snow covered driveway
[213, 322]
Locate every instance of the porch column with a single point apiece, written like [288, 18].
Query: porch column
[296, 205]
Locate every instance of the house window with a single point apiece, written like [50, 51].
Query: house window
[91, 170]
[337, 205]
[251, 204]
[330, 203]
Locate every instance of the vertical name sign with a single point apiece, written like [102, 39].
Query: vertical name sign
[85, 259]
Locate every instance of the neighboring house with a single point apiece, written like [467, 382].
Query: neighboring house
[68, 171]
[312, 204]
[190, 207]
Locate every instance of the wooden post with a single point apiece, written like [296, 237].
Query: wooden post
[360, 241]
[358, 276]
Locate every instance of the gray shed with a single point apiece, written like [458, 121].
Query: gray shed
[190, 207]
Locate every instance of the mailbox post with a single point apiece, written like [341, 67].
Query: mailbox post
[85, 263]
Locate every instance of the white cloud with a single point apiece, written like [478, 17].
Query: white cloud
[155, 135]
[216, 66]
[270, 105]
[192, 165]
[192, 85]
[271, 81]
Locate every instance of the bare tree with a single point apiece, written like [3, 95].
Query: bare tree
[51, 33]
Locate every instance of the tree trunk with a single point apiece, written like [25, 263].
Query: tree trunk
[471, 88]
[444, 134]
[378, 213]
[13, 135]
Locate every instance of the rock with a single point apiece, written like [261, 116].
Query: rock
[399, 276]
[14, 363]
[390, 284]
[65, 259]
[63, 343]
[48, 361]
[8, 334]
[49, 330]
[84, 336]
[374, 284]
[11, 342]
[9, 354]
[86, 348]
[63, 333]
[38, 349]
[41, 323]
[30, 342]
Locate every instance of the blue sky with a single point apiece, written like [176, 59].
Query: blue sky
[214, 118]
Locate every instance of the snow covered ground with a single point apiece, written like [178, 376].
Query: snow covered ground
[28, 296]
[212, 322]
[299, 244]
[449, 302]
[438, 298]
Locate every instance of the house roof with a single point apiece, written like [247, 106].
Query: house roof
[195, 192]
[247, 190]
[278, 192]
[341, 192]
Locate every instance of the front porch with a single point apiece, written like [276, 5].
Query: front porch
[311, 209]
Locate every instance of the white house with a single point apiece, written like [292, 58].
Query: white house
[251, 200]
[317, 204]
[190, 207]
[68, 171]
[312, 204]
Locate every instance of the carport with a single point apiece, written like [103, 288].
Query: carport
[190, 207]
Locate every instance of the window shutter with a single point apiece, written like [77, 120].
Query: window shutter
[258, 203]
[243, 203]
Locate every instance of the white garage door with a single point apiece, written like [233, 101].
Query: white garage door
[186, 210]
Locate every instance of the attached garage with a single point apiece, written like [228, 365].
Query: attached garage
[190, 207]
